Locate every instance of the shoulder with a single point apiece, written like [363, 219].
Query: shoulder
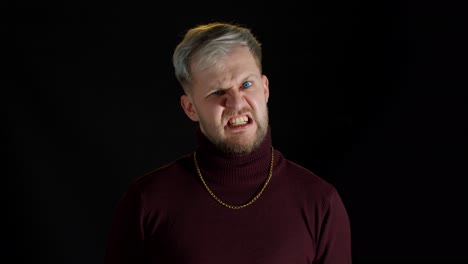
[162, 178]
[302, 181]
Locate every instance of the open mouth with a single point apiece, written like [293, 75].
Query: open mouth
[239, 121]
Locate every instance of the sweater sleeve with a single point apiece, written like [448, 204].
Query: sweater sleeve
[125, 242]
[334, 240]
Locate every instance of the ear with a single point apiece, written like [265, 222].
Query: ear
[189, 108]
[266, 88]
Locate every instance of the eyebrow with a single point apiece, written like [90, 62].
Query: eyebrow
[247, 78]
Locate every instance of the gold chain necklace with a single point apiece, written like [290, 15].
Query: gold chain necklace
[235, 206]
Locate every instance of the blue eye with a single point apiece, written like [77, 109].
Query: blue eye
[247, 84]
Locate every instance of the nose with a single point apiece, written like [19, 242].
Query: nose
[234, 100]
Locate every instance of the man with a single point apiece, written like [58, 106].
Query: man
[235, 199]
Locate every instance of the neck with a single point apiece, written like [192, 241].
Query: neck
[233, 169]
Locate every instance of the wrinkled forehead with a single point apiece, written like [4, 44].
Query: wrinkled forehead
[234, 64]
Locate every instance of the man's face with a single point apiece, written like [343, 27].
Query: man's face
[230, 102]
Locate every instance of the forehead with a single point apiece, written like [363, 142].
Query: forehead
[234, 66]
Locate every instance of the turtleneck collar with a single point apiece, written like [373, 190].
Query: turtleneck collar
[219, 167]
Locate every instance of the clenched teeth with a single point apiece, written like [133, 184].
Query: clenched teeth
[239, 121]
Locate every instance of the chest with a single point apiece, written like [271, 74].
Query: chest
[260, 233]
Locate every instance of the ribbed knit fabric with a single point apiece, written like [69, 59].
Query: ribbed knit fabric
[167, 216]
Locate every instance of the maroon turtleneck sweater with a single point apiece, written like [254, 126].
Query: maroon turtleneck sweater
[167, 215]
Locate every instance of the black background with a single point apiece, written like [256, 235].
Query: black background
[369, 95]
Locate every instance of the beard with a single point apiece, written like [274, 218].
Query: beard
[237, 145]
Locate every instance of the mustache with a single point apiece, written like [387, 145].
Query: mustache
[229, 113]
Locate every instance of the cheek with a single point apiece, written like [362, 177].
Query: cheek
[258, 101]
[210, 112]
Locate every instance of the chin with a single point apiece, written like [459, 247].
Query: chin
[239, 145]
